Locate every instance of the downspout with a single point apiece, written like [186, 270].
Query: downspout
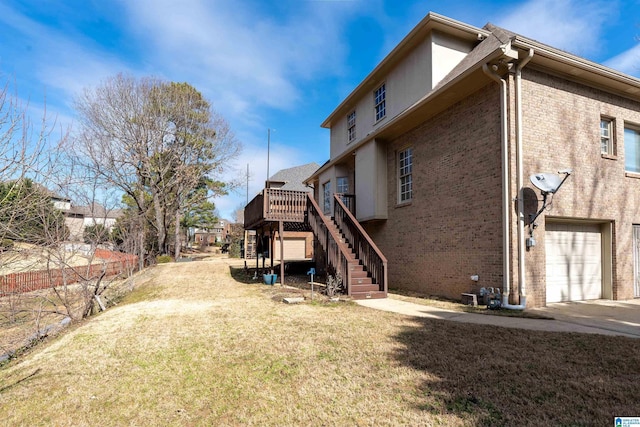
[504, 136]
[520, 183]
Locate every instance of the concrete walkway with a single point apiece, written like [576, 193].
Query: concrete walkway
[591, 317]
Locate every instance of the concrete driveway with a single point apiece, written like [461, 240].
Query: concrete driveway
[591, 317]
[618, 317]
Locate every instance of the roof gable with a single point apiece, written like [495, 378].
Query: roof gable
[293, 178]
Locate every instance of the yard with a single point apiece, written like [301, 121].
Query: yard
[193, 346]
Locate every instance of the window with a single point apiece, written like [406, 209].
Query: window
[379, 102]
[326, 191]
[343, 185]
[405, 181]
[632, 150]
[607, 137]
[342, 188]
[351, 126]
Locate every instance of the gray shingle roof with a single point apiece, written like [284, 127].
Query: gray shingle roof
[294, 177]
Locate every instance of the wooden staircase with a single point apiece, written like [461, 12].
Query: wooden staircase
[350, 251]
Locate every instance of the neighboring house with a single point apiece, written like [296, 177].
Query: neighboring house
[438, 143]
[96, 214]
[219, 233]
[73, 220]
[78, 218]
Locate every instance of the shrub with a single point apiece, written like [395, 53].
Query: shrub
[234, 250]
[163, 259]
[334, 285]
[6, 244]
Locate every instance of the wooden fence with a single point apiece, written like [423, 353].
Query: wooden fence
[111, 263]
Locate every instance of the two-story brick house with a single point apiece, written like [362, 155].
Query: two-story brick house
[438, 143]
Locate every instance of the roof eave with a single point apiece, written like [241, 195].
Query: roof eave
[579, 68]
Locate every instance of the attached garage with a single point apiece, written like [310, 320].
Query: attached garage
[294, 248]
[574, 261]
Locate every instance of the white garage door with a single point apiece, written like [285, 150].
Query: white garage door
[574, 261]
[293, 248]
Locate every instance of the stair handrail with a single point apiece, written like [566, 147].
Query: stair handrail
[335, 248]
[365, 249]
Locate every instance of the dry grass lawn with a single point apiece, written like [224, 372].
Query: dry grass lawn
[192, 346]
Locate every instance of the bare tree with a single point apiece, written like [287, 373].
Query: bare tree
[157, 142]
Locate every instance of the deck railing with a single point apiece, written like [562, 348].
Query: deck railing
[330, 240]
[254, 211]
[274, 204]
[365, 250]
[285, 205]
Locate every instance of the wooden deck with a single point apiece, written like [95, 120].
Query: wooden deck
[274, 205]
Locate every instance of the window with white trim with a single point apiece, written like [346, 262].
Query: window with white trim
[326, 192]
[632, 149]
[351, 126]
[607, 137]
[405, 178]
[379, 97]
[342, 186]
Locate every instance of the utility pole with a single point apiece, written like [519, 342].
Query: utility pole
[268, 149]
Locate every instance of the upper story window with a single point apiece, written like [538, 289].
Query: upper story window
[326, 192]
[607, 137]
[632, 149]
[351, 126]
[379, 101]
[405, 172]
[343, 185]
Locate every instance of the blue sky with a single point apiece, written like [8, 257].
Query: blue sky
[280, 64]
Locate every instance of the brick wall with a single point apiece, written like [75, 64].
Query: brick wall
[562, 129]
[452, 228]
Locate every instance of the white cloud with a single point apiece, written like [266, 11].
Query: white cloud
[63, 63]
[245, 58]
[628, 62]
[572, 25]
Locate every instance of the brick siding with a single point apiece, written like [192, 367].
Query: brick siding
[452, 228]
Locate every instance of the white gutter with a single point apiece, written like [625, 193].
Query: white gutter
[520, 185]
[504, 131]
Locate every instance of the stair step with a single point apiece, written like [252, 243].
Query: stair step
[361, 281]
[369, 287]
[358, 274]
[368, 295]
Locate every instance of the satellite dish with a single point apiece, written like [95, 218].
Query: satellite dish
[546, 182]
